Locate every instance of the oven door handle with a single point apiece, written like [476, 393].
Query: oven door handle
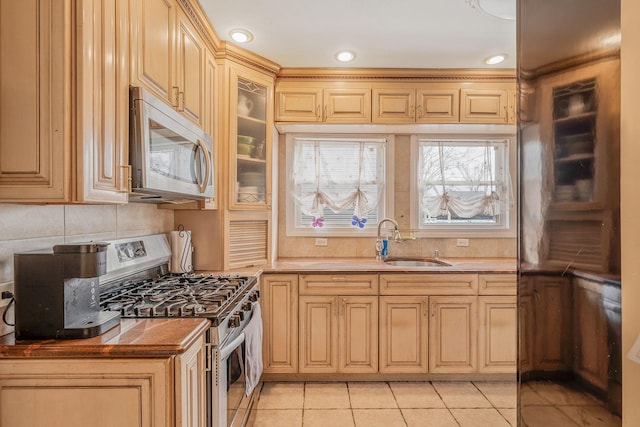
[230, 347]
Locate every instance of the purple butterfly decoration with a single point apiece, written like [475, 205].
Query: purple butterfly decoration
[358, 222]
[317, 222]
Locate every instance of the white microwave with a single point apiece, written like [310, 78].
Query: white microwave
[171, 157]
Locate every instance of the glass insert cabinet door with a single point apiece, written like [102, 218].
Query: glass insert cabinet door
[250, 141]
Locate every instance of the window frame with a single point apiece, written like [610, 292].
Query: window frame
[385, 208]
[507, 227]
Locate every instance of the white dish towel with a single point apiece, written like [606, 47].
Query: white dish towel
[253, 349]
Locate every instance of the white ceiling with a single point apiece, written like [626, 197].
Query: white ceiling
[382, 33]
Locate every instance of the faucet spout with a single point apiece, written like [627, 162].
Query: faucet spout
[396, 235]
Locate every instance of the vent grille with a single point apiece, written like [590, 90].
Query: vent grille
[248, 243]
[579, 243]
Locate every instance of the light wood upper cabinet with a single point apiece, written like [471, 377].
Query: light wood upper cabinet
[190, 70]
[41, 158]
[352, 105]
[453, 328]
[153, 42]
[279, 294]
[403, 334]
[438, 105]
[498, 334]
[249, 135]
[394, 105]
[302, 104]
[484, 106]
[395, 102]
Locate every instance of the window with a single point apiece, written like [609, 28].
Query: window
[462, 184]
[337, 185]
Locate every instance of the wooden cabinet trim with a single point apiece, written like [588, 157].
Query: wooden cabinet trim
[338, 284]
[497, 334]
[279, 294]
[497, 284]
[428, 284]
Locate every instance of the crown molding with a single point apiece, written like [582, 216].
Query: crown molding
[404, 74]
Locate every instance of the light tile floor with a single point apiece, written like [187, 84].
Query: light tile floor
[428, 404]
[548, 404]
[386, 404]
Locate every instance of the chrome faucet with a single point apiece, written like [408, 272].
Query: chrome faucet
[396, 236]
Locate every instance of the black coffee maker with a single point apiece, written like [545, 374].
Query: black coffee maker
[57, 292]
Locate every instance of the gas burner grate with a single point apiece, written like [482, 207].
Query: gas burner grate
[173, 295]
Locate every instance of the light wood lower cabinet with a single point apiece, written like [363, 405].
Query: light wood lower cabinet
[104, 392]
[338, 334]
[389, 323]
[453, 327]
[497, 334]
[591, 358]
[403, 334]
[279, 295]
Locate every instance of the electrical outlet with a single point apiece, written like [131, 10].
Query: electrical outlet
[320, 241]
[462, 242]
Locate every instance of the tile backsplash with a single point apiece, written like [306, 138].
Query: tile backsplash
[26, 227]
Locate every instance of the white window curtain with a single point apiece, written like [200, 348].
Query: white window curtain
[338, 175]
[464, 180]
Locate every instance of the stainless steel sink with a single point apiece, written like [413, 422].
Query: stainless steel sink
[416, 262]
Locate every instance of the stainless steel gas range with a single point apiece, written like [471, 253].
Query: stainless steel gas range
[137, 284]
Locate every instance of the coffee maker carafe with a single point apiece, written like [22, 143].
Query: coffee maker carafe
[57, 292]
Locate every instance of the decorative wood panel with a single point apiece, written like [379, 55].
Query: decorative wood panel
[338, 284]
[403, 334]
[497, 284]
[428, 284]
[358, 332]
[483, 106]
[152, 41]
[394, 105]
[498, 334]
[299, 105]
[81, 392]
[279, 294]
[248, 242]
[347, 105]
[453, 334]
[35, 70]
[191, 402]
[318, 334]
[438, 106]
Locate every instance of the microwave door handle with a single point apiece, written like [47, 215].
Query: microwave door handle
[207, 162]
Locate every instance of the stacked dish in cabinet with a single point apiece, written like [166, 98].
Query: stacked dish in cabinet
[574, 131]
[251, 172]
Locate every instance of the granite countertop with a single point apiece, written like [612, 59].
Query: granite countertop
[149, 338]
[369, 265]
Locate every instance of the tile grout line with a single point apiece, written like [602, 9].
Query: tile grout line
[397, 403]
[445, 403]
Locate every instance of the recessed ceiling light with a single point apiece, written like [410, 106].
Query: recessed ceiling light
[345, 56]
[495, 59]
[241, 36]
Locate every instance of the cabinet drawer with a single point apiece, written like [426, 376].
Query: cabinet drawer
[334, 284]
[497, 284]
[428, 284]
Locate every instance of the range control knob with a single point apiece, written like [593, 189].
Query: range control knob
[246, 306]
[234, 321]
[254, 296]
